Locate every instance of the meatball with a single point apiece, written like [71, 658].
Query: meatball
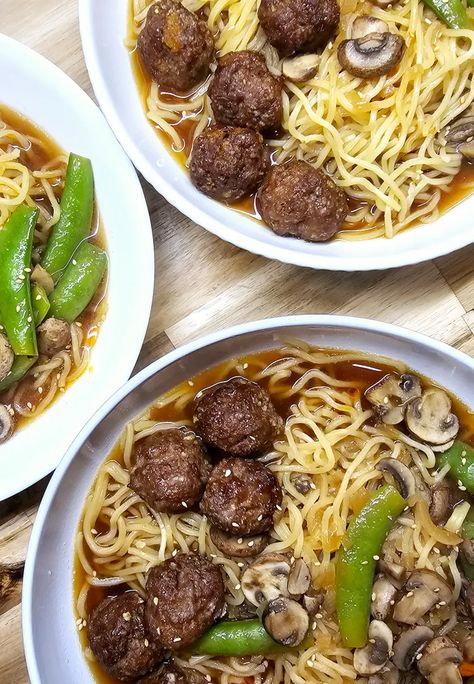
[118, 637]
[297, 199]
[171, 469]
[173, 674]
[243, 92]
[6, 357]
[228, 163]
[185, 595]
[237, 417]
[53, 336]
[241, 497]
[175, 46]
[298, 25]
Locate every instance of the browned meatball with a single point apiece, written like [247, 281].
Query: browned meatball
[243, 92]
[171, 469]
[118, 637]
[53, 336]
[237, 416]
[175, 46]
[172, 674]
[185, 595]
[297, 199]
[241, 497]
[228, 163]
[298, 25]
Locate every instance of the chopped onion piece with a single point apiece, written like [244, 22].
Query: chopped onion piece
[457, 517]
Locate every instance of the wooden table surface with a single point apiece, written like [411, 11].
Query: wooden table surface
[204, 284]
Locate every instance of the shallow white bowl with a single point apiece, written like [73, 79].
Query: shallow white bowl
[103, 30]
[48, 617]
[37, 89]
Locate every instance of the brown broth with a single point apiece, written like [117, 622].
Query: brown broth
[460, 187]
[364, 373]
[42, 150]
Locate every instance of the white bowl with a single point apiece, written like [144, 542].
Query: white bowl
[48, 616]
[103, 30]
[36, 88]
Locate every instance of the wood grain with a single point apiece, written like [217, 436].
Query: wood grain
[203, 284]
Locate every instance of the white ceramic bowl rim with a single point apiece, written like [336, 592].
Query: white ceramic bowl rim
[111, 76]
[345, 323]
[40, 91]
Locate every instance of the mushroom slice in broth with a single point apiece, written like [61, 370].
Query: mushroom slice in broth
[286, 621]
[374, 655]
[266, 579]
[391, 394]
[372, 55]
[430, 419]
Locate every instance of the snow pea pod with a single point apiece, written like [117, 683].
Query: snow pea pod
[356, 560]
[79, 282]
[460, 457]
[237, 638]
[16, 313]
[451, 12]
[20, 368]
[39, 303]
[74, 225]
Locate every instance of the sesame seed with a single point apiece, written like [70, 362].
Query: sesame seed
[176, 639]
[392, 602]
[74, 262]
[79, 621]
[94, 573]
[227, 472]
[376, 558]
[278, 507]
[184, 504]
[309, 663]
[245, 366]
[463, 452]
[436, 590]
[208, 678]
[38, 298]
[251, 543]
[40, 390]
[29, 404]
[314, 625]
[29, 319]
[463, 461]
[410, 594]
[174, 552]
[319, 616]
[21, 276]
[190, 383]
[237, 586]
[147, 643]
[442, 603]
[413, 527]
[240, 540]
[419, 656]
[374, 596]
[462, 488]
[260, 517]
[312, 485]
[93, 530]
[126, 616]
[27, 270]
[371, 641]
[140, 544]
[240, 564]
[155, 600]
[364, 562]
[234, 524]
[436, 550]
[158, 630]
[17, 308]
[79, 627]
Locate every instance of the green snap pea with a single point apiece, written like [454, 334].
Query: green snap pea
[21, 366]
[16, 313]
[235, 638]
[460, 458]
[79, 282]
[355, 564]
[74, 225]
[451, 12]
[40, 303]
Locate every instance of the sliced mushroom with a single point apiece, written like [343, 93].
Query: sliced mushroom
[402, 475]
[425, 589]
[467, 550]
[395, 571]
[408, 645]
[286, 621]
[302, 483]
[243, 611]
[42, 278]
[383, 597]
[391, 394]
[299, 580]
[439, 662]
[459, 136]
[266, 579]
[313, 602]
[440, 503]
[387, 675]
[6, 357]
[372, 55]
[366, 24]
[6, 423]
[430, 419]
[372, 658]
[301, 68]
[441, 448]
[468, 649]
[238, 547]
